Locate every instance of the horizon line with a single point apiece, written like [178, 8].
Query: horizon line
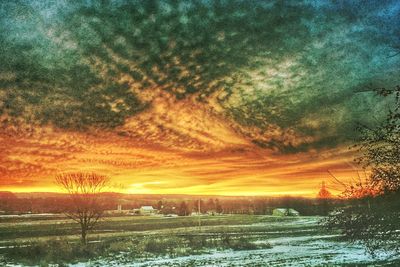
[171, 194]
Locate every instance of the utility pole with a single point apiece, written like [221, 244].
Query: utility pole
[199, 210]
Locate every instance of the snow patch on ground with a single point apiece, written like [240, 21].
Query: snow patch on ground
[293, 248]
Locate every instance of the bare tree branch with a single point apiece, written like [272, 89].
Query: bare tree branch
[83, 189]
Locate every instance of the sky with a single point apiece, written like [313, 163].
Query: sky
[192, 97]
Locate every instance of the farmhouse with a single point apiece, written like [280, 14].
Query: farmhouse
[285, 212]
[145, 210]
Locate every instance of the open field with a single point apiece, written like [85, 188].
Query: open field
[234, 240]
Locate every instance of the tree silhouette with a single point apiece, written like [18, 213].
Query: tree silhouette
[373, 213]
[84, 190]
[218, 206]
[324, 199]
[183, 209]
[324, 192]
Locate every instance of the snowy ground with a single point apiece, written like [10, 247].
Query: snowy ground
[290, 247]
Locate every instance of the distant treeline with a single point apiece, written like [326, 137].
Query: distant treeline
[170, 204]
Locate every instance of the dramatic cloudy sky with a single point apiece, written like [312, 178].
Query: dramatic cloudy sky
[197, 97]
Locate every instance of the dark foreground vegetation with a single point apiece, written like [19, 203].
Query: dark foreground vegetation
[62, 251]
[372, 214]
[57, 241]
[228, 240]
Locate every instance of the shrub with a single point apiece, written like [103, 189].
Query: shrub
[197, 242]
[41, 252]
[162, 245]
[54, 251]
[242, 244]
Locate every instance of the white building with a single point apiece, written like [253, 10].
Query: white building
[144, 210]
[285, 212]
[147, 210]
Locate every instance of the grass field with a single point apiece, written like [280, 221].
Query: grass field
[231, 240]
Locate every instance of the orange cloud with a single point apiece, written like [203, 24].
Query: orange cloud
[170, 149]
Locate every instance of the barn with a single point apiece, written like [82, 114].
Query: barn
[285, 212]
[144, 210]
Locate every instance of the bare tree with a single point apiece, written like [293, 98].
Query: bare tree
[84, 189]
[373, 212]
[183, 209]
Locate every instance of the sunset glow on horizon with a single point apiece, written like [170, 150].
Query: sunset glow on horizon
[191, 97]
[140, 168]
